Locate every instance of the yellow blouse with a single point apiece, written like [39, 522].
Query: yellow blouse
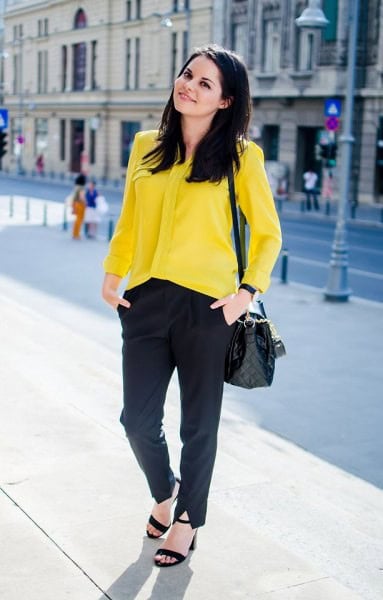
[179, 231]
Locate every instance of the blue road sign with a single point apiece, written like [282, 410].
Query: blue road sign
[3, 118]
[332, 107]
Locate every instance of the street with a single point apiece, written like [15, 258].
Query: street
[308, 241]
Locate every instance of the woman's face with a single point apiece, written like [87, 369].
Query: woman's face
[198, 90]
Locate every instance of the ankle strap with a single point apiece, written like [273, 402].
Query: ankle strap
[182, 520]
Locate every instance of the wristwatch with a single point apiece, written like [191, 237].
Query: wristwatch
[249, 288]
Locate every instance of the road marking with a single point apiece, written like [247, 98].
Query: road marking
[322, 265]
[302, 238]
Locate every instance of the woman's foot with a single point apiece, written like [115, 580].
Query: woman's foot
[161, 515]
[178, 543]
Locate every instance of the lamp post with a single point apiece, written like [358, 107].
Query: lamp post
[337, 289]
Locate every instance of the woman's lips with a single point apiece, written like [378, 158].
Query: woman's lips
[185, 97]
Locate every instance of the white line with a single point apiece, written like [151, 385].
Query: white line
[310, 240]
[322, 265]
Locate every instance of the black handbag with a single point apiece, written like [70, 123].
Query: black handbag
[250, 358]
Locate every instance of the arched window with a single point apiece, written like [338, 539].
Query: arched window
[80, 21]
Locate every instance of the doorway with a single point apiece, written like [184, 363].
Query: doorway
[306, 156]
[77, 144]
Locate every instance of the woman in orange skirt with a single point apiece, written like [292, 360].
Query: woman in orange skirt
[78, 209]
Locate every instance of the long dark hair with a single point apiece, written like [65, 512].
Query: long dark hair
[223, 143]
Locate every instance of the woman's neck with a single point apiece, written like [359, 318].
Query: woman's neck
[192, 133]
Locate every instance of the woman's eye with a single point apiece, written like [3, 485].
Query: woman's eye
[204, 84]
[186, 74]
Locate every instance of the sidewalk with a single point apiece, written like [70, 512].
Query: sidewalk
[282, 523]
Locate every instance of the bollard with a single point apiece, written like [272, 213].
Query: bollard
[353, 210]
[279, 202]
[327, 208]
[303, 203]
[45, 216]
[27, 209]
[65, 219]
[110, 229]
[284, 265]
[11, 206]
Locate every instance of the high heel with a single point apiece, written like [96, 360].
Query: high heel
[157, 525]
[172, 553]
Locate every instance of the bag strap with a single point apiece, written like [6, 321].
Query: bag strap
[234, 214]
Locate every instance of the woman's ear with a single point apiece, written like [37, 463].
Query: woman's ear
[226, 102]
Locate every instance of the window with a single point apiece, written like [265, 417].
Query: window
[128, 59]
[42, 27]
[185, 46]
[138, 9]
[305, 51]
[79, 66]
[330, 9]
[137, 65]
[240, 38]
[42, 71]
[80, 20]
[129, 10]
[41, 136]
[64, 67]
[128, 131]
[271, 46]
[270, 141]
[62, 138]
[92, 147]
[93, 65]
[173, 58]
[16, 88]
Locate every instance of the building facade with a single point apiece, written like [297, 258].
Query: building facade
[293, 71]
[82, 77]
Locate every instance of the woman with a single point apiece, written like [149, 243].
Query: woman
[92, 217]
[78, 209]
[173, 238]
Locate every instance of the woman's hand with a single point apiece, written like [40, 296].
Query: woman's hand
[233, 306]
[110, 291]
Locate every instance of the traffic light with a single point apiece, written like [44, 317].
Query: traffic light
[328, 153]
[3, 143]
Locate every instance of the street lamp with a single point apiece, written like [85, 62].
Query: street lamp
[313, 16]
[337, 289]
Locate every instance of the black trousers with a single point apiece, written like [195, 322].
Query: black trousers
[168, 327]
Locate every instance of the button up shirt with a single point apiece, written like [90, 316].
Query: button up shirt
[179, 231]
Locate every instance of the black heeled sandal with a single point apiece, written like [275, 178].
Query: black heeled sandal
[157, 525]
[172, 553]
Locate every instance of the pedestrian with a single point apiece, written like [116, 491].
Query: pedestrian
[328, 186]
[78, 209]
[178, 312]
[310, 179]
[92, 218]
[40, 164]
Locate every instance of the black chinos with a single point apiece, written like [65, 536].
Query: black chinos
[169, 326]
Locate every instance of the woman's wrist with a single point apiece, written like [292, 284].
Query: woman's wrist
[249, 288]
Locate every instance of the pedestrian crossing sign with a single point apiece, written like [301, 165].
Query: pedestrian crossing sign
[332, 107]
